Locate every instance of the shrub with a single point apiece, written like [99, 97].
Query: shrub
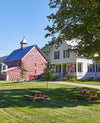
[51, 78]
[87, 79]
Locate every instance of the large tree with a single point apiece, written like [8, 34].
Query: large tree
[78, 19]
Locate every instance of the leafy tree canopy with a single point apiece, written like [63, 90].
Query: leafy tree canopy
[79, 19]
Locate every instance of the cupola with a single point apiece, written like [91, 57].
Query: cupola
[23, 44]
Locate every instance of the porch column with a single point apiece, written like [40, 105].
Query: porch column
[55, 68]
[76, 69]
[95, 69]
[61, 69]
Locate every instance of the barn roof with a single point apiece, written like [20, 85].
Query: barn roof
[18, 54]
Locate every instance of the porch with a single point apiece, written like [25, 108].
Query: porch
[63, 69]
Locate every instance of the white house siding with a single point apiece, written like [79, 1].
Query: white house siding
[62, 60]
[85, 62]
[74, 60]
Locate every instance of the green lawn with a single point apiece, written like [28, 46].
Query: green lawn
[61, 107]
[85, 82]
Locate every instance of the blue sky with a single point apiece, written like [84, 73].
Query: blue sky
[19, 18]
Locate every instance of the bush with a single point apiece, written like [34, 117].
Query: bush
[87, 79]
[71, 79]
[51, 78]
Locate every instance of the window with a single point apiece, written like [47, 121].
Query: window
[37, 55]
[79, 67]
[88, 67]
[56, 54]
[98, 68]
[64, 68]
[33, 54]
[35, 48]
[66, 54]
[58, 68]
[91, 67]
[4, 67]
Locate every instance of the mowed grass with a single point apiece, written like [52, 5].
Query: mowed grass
[94, 82]
[61, 107]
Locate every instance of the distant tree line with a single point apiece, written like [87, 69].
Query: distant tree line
[2, 58]
[47, 49]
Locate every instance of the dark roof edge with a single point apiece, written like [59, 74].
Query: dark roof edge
[42, 53]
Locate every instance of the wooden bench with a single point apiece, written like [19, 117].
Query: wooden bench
[98, 95]
[81, 95]
[28, 96]
[88, 97]
[92, 94]
[44, 97]
[36, 95]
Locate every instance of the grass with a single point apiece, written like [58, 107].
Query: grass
[61, 107]
[84, 81]
[94, 82]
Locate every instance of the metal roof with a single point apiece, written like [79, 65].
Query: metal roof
[18, 54]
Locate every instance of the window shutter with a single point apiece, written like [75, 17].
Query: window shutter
[58, 54]
[63, 53]
[68, 54]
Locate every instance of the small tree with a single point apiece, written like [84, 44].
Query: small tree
[48, 71]
[23, 70]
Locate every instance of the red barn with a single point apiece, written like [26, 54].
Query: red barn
[33, 59]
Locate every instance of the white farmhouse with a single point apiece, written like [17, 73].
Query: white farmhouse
[62, 60]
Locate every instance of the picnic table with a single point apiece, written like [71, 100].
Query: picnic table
[89, 94]
[36, 95]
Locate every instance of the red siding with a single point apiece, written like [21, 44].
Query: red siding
[14, 74]
[33, 61]
[4, 76]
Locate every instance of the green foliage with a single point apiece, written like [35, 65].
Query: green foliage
[52, 78]
[47, 75]
[79, 19]
[47, 49]
[2, 58]
[69, 79]
[23, 71]
[87, 79]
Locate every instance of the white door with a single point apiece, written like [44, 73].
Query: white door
[7, 77]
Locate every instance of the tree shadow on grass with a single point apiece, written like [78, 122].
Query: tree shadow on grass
[58, 98]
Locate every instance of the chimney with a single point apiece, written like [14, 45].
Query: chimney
[23, 44]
